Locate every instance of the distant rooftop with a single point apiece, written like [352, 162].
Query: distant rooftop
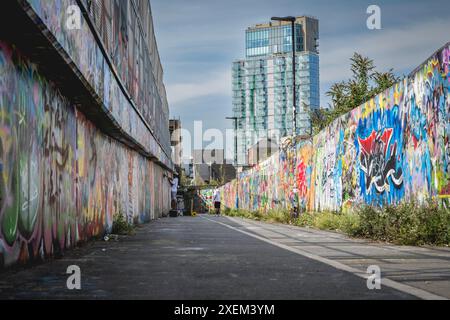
[299, 20]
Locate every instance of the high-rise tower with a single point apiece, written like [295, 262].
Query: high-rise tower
[263, 82]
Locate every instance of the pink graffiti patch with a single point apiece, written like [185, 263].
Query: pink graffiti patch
[301, 179]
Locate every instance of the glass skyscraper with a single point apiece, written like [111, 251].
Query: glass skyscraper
[272, 39]
[263, 83]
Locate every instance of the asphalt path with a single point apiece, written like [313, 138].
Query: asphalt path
[203, 257]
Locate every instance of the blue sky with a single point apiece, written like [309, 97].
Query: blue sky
[199, 39]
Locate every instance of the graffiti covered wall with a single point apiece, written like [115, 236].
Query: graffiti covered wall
[206, 196]
[393, 148]
[83, 49]
[61, 179]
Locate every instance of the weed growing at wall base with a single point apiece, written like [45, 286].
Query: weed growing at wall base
[408, 224]
[404, 224]
[121, 226]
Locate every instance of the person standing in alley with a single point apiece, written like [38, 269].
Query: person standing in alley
[216, 200]
[174, 191]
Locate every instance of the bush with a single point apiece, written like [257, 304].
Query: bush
[281, 216]
[327, 221]
[434, 226]
[121, 226]
[305, 220]
[404, 224]
[350, 224]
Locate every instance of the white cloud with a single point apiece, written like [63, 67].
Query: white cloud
[214, 83]
[400, 48]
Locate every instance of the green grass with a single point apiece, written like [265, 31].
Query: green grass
[404, 224]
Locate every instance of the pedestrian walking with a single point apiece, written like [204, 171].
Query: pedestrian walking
[174, 191]
[294, 213]
[217, 203]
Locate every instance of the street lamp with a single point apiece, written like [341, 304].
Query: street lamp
[292, 21]
[236, 156]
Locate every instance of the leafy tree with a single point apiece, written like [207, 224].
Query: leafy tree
[184, 179]
[384, 80]
[318, 118]
[365, 83]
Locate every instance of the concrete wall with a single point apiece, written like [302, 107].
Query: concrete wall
[61, 179]
[64, 107]
[391, 149]
[135, 108]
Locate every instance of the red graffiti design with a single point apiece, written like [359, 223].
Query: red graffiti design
[378, 168]
[301, 180]
[369, 144]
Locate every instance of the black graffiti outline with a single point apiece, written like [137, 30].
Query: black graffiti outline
[376, 168]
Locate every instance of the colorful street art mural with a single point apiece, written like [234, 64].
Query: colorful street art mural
[206, 196]
[61, 179]
[393, 148]
[82, 48]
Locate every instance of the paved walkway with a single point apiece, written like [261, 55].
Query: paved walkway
[421, 271]
[209, 257]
